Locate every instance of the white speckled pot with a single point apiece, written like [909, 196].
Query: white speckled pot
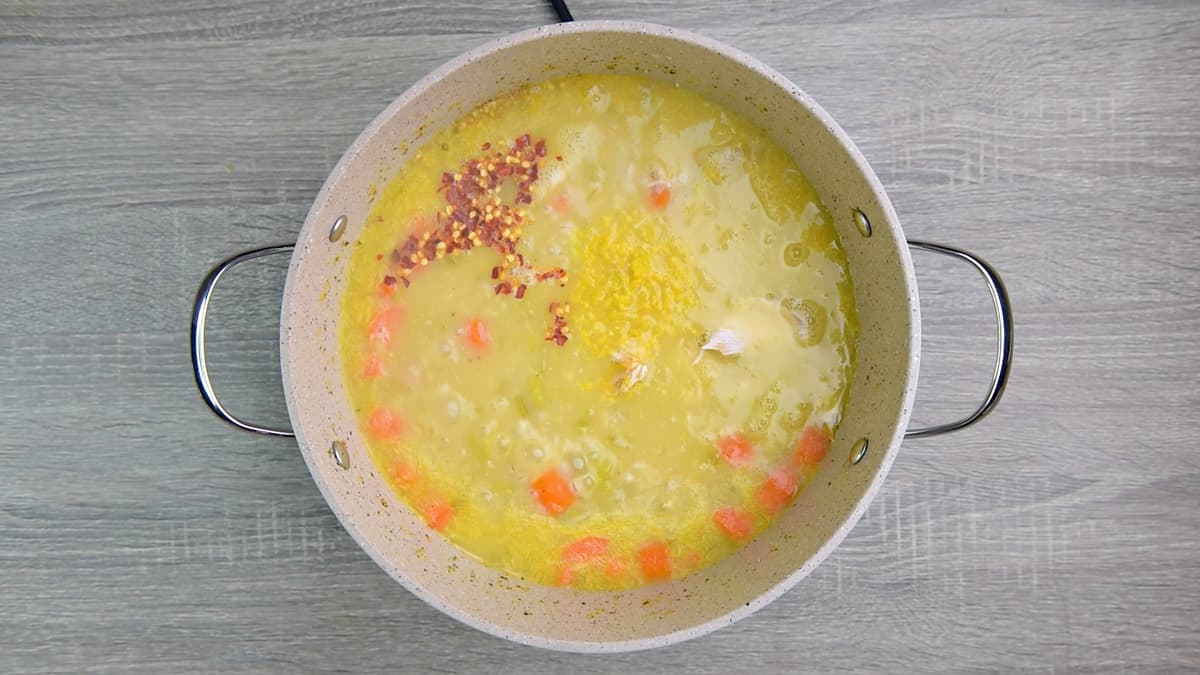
[659, 614]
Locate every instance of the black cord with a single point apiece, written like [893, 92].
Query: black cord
[560, 8]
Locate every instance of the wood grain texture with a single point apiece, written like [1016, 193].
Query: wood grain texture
[140, 142]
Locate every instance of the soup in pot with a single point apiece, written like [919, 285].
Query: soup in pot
[598, 332]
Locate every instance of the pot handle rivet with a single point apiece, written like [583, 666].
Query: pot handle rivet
[861, 222]
[340, 454]
[859, 451]
[338, 229]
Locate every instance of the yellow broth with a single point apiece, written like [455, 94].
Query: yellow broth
[619, 363]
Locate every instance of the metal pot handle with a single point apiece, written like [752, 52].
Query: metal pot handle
[1000, 301]
[200, 317]
[1004, 339]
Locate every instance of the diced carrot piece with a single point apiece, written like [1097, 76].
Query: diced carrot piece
[736, 449]
[616, 567]
[561, 204]
[438, 514]
[385, 425]
[477, 335]
[553, 492]
[387, 286]
[403, 473]
[734, 523]
[777, 490]
[585, 549]
[813, 446]
[372, 367]
[566, 576]
[655, 560]
[385, 324]
[660, 195]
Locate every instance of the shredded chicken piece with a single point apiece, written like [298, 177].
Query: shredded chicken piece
[632, 371]
[724, 341]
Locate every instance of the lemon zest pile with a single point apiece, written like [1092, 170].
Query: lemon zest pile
[634, 286]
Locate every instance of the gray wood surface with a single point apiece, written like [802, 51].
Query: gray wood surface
[141, 141]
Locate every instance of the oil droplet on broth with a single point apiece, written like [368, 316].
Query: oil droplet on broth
[795, 254]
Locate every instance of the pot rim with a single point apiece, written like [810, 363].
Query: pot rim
[903, 257]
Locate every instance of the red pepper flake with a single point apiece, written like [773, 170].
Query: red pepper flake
[558, 333]
[553, 273]
[379, 256]
[475, 215]
[558, 157]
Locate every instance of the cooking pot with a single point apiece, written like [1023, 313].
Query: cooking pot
[876, 415]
